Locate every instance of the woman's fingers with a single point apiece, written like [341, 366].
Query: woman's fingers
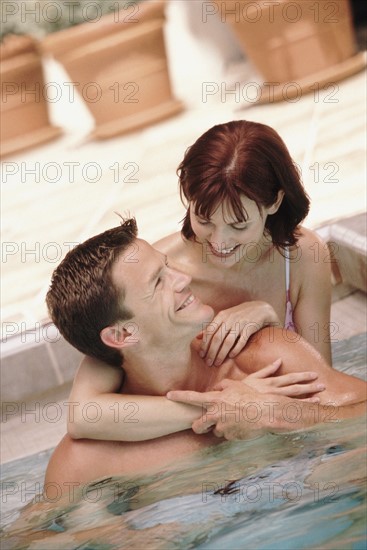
[294, 378]
[203, 424]
[205, 399]
[299, 389]
[219, 351]
[248, 330]
[268, 370]
[217, 343]
[311, 399]
[211, 341]
[224, 342]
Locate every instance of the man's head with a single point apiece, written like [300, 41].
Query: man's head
[164, 310]
[82, 299]
[115, 290]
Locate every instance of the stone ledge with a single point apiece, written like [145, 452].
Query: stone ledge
[32, 363]
[350, 238]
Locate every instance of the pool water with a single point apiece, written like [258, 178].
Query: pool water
[289, 491]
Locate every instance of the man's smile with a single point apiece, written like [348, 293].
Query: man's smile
[187, 302]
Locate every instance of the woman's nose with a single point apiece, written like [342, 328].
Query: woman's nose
[219, 236]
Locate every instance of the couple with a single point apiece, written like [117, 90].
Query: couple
[147, 321]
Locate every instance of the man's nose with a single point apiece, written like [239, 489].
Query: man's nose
[179, 280]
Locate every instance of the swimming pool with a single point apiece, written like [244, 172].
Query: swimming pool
[296, 490]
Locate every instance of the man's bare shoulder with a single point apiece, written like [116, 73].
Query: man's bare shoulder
[297, 355]
[271, 343]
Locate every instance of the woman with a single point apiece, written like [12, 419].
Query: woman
[242, 242]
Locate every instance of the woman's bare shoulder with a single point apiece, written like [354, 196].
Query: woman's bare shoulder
[173, 245]
[311, 261]
[308, 237]
[312, 249]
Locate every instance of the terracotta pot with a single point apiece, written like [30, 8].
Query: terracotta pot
[302, 42]
[24, 109]
[119, 66]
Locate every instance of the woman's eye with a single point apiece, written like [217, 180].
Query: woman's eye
[203, 222]
[239, 228]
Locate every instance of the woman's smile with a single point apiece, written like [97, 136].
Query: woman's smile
[221, 251]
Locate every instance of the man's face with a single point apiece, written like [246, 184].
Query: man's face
[159, 297]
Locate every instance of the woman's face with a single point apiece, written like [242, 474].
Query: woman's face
[226, 240]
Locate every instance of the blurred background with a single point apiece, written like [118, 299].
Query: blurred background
[99, 101]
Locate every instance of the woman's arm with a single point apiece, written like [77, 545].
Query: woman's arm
[98, 411]
[257, 412]
[312, 309]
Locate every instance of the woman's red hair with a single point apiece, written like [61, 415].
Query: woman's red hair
[243, 158]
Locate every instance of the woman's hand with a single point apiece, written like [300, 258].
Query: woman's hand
[293, 384]
[225, 407]
[230, 330]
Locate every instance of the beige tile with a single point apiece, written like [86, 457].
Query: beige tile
[349, 316]
[66, 357]
[28, 371]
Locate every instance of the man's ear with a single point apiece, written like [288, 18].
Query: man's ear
[119, 335]
[274, 207]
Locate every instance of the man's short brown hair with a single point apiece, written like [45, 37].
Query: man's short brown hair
[82, 299]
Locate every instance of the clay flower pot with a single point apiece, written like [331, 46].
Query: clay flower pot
[119, 66]
[24, 109]
[304, 43]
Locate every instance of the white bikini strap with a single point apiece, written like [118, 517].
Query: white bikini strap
[287, 268]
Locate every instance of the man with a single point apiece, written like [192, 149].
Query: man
[114, 297]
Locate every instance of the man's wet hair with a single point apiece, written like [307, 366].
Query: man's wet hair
[82, 299]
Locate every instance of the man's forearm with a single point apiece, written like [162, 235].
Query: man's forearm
[289, 415]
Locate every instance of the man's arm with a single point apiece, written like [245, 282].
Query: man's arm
[238, 410]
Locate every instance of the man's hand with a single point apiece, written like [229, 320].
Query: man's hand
[229, 331]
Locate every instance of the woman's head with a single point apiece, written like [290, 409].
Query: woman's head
[238, 160]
